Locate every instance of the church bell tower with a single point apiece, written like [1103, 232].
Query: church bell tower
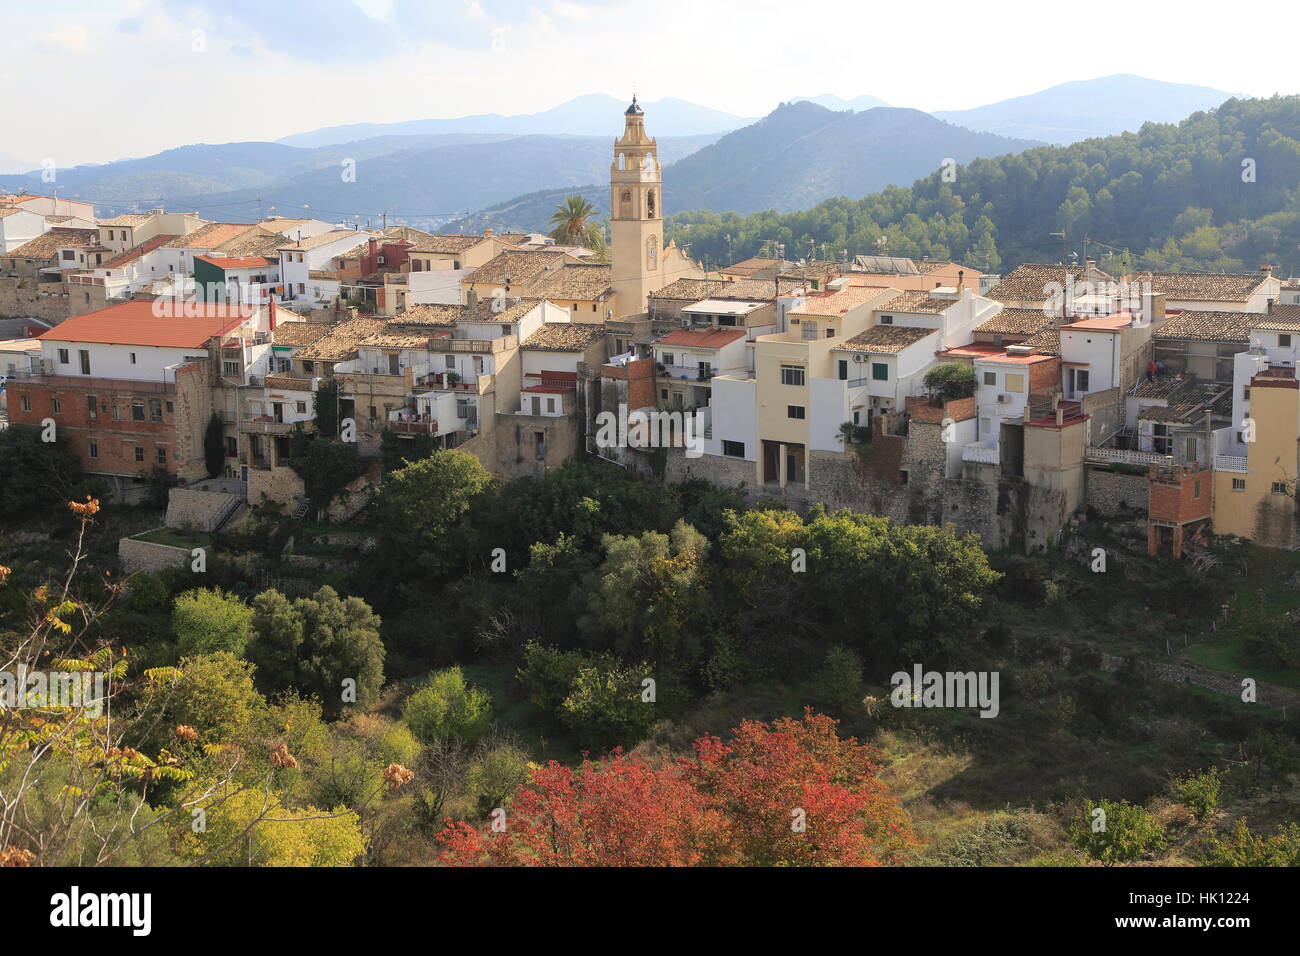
[636, 215]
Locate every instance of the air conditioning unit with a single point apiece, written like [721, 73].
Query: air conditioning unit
[1002, 399]
[686, 323]
[859, 357]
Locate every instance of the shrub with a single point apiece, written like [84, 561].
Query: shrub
[447, 707]
[1120, 833]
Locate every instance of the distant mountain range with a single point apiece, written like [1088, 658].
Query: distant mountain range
[581, 116]
[1086, 108]
[423, 171]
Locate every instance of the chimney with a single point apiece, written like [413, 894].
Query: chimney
[487, 233]
[1266, 269]
[961, 279]
[471, 299]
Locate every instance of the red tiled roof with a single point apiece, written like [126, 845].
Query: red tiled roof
[703, 338]
[134, 323]
[136, 252]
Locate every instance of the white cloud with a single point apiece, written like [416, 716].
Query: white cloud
[70, 39]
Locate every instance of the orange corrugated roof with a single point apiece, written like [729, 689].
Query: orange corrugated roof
[134, 323]
[252, 262]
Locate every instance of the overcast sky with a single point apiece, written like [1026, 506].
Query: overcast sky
[95, 80]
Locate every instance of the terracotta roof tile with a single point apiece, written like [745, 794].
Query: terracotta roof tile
[45, 246]
[885, 339]
[1207, 327]
[134, 323]
[564, 337]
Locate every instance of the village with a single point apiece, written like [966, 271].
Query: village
[920, 390]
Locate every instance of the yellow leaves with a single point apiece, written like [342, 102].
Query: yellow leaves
[16, 856]
[4, 573]
[162, 676]
[186, 732]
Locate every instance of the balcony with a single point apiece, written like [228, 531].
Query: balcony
[413, 428]
[688, 373]
[1098, 455]
[1233, 463]
[265, 425]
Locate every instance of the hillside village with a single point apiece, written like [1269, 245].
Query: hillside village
[924, 391]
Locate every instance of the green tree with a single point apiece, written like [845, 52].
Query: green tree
[208, 620]
[421, 503]
[1243, 847]
[572, 226]
[1120, 833]
[446, 706]
[214, 446]
[38, 477]
[325, 407]
[323, 645]
[494, 774]
[951, 380]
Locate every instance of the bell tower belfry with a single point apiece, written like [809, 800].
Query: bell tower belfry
[636, 215]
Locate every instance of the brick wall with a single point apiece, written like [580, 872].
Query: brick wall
[105, 444]
[1180, 495]
[639, 377]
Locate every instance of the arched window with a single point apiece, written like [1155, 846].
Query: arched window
[650, 203]
[622, 161]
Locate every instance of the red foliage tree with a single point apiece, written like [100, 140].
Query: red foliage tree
[789, 793]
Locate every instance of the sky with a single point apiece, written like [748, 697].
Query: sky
[96, 80]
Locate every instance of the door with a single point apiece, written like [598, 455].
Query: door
[537, 405]
[393, 368]
[844, 370]
[85, 361]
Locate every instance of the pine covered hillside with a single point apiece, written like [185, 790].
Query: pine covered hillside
[1218, 191]
[802, 153]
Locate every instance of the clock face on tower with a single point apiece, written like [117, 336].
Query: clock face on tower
[652, 252]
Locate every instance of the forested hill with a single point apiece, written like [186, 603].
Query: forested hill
[1219, 191]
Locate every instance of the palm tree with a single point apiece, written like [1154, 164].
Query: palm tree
[572, 225]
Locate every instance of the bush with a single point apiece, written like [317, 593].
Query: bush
[207, 621]
[447, 707]
[1199, 792]
[837, 685]
[951, 380]
[1120, 833]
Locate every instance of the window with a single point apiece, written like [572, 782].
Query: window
[1284, 341]
[733, 449]
[63, 356]
[886, 320]
[232, 447]
[160, 455]
[795, 411]
[55, 406]
[792, 375]
[170, 408]
[550, 404]
[84, 356]
[301, 407]
[1239, 484]
[372, 412]
[308, 366]
[94, 450]
[137, 411]
[92, 406]
[843, 369]
[990, 378]
[670, 358]
[830, 333]
[139, 453]
[663, 394]
[155, 410]
[1245, 394]
[1190, 449]
[1015, 382]
[132, 358]
[1279, 487]
[230, 369]
[27, 403]
[539, 441]
[880, 371]
[729, 320]
[450, 361]
[1196, 489]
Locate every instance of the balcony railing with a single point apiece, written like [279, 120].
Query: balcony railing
[264, 425]
[1124, 456]
[413, 428]
[984, 454]
[1233, 463]
[691, 373]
